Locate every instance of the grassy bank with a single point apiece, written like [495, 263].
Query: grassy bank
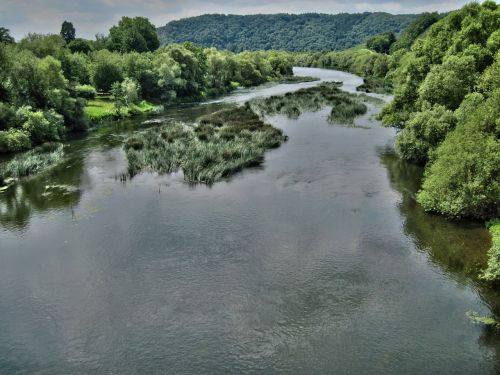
[103, 108]
[219, 145]
[31, 162]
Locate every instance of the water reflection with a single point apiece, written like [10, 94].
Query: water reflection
[56, 189]
[458, 248]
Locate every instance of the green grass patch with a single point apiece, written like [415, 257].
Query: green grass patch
[31, 162]
[103, 108]
[219, 145]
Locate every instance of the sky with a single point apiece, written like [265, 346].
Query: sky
[96, 16]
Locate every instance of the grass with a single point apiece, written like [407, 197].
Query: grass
[219, 145]
[31, 162]
[492, 273]
[103, 108]
[345, 106]
[224, 142]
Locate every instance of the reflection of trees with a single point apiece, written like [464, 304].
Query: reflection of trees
[57, 188]
[458, 248]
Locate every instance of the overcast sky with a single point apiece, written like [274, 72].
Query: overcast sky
[96, 16]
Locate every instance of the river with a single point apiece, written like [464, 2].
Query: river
[319, 261]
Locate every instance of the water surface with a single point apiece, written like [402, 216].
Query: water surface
[319, 261]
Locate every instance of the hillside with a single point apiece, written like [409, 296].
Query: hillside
[303, 32]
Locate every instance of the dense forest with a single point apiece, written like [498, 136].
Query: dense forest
[52, 84]
[303, 32]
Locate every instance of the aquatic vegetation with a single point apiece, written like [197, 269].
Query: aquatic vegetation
[295, 79]
[219, 145]
[345, 106]
[31, 162]
[487, 321]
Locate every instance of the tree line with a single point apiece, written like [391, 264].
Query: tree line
[46, 80]
[291, 32]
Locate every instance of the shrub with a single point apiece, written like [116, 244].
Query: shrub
[492, 273]
[85, 91]
[41, 127]
[14, 140]
[423, 133]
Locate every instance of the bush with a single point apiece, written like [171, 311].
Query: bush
[492, 273]
[463, 181]
[14, 140]
[423, 133]
[40, 126]
[85, 91]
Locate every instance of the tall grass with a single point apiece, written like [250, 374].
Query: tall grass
[220, 145]
[345, 106]
[31, 162]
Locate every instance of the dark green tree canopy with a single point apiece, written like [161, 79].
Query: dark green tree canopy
[291, 32]
[381, 43]
[68, 31]
[5, 36]
[133, 34]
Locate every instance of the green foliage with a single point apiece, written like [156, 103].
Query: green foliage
[448, 84]
[423, 133]
[303, 32]
[453, 67]
[381, 43]
[86, 91]
[80, 45]
[5, 36]
[43, 45]
[133, 34]
[414, 30]
[13, 140]
[105, 75]
[41, 126]
[463, 179]
[68, 31]
[488, 321]
[492, 273]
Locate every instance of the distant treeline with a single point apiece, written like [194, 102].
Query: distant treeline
[291, 32]
[46, 80]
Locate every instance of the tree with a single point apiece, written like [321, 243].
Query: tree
[381, 43]
[68, 32]
[134, 34]
[5, 36]
[105, 75]
[79, 45]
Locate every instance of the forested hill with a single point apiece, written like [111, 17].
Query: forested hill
[303, 32]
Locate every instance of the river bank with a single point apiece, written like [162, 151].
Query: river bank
[318, 260]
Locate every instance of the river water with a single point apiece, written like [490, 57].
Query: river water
[319, 261]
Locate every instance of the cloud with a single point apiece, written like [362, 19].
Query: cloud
[97, 16]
